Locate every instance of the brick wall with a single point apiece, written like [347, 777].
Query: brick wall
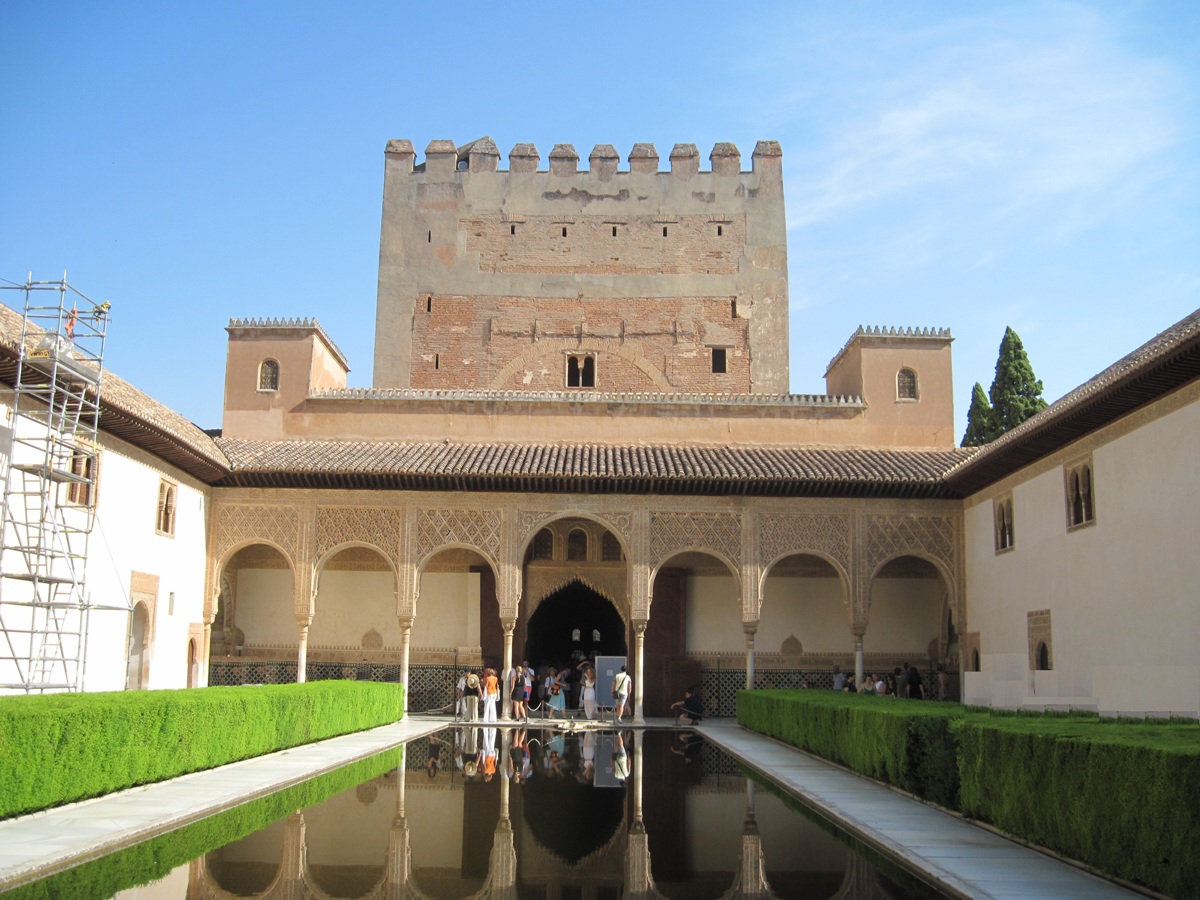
[639, 344]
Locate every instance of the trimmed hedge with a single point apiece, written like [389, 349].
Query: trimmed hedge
[1117, 795]
[60, 748]
[154, 859]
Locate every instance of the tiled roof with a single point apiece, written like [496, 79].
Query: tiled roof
[132, 415]
[1166, 362]
[590, 468]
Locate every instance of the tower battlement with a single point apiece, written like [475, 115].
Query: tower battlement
[444, 158]
[585, 274]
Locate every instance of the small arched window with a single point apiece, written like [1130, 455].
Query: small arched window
[581, 371]
[164, 522]
[1005, 537]
[1043, 656]
[577, 545]
[543, 544]
[906, 384]
[610, 548]
[1080, 501]
[268, 375]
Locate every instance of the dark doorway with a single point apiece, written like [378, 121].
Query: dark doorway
[573, 620]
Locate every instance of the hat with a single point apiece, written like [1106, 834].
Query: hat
[470, 769]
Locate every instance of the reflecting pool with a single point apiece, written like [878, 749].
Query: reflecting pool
[526, 814]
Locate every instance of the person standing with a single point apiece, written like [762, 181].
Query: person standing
[471, 697]
[516, 692]
[839, 679]
[621, 689]
[557, 693]
[589, 692]
[491, 694]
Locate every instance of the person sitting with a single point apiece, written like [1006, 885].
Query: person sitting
[690, 709]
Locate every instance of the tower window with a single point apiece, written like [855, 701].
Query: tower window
[437, 360]
[512, 229]
[268, 375]
[906, 385]
[720, 231]
[664, 231]
[718, 361]
[733, 309]
[564, 231]
[614, 231]
[581, 371]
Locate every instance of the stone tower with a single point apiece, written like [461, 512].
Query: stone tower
[598, 279]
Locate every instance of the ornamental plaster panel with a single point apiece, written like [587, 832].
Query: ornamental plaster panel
[379, 527]
[674, 532]
[787, 535]
[916, 535]
[478, 528]
[530, 521]
[242, 525]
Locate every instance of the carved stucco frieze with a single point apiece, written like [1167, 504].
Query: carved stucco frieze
[916, 535]
[478, 528]
[785, 535]
[243, 525]
[379, 527]
[531, 520]
[673, 532]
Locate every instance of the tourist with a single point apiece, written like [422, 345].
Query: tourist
[943, 682]
[621, 688]
[916, 688]
[470, 696]
[620, 759]
[589, 691]
[555, 693]
[527, 676]
[868, 685]
[839, 680]
[690, 709]
[491, 694]
[515, 684]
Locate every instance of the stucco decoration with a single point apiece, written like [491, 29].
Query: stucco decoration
[244, 525]
[786, 535]
[478, 528]
[375, 526]
[609, 584]
[372, 640]
[671, 533]
[529, 521]
[925, 536]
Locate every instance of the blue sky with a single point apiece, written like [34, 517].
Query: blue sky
[971, 166]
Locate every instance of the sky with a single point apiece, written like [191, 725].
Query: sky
[963, 165]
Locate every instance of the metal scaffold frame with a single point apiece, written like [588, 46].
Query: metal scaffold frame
[50, 489]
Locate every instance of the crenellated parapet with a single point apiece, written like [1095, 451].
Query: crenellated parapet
[443, 157]
[650, 273]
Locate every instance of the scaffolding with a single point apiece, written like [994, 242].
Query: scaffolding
[50, 489]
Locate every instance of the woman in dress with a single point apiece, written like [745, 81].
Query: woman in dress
[589, 691]
[557, 699]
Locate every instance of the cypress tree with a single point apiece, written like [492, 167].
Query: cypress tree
[980, 429]
[1016, 393]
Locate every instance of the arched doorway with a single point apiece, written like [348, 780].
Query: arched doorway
[804, 621]
[136, 673]
[571, 624]
[907, 599]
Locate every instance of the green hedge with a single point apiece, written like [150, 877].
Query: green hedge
[154, 859]
[60, 748]
[1117, 795]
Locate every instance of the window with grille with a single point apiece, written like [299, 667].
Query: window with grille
[906, 385]
[610, 548]
[543, 545]
[84, 468]
[268, 375]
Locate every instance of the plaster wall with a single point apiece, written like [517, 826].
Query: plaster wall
[123, 541]
[350, 604]
[903, 615]
[447, 611]
[1120, 591]
[265, 608]
[714, 615]
[811, 609]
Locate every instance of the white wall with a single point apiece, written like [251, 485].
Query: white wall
[1122, 592]
[447, 611]
[714, 615]
[349, 604]
[812, 609]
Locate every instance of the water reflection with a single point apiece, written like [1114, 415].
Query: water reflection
[540, 814]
